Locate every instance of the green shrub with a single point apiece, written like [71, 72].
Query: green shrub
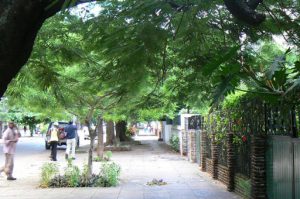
[97, 159]
[59, 181]
[49, 170]
[72, 175]
[108, 155]
[174, 141]
[109, 175]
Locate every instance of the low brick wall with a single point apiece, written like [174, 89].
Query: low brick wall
[209, 167]
[242, 186]
[223, 174]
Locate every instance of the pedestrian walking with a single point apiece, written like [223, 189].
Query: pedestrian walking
[53, 141]
[10, 139]
[70, 130]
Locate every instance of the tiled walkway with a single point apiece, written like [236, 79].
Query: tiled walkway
[139, 166]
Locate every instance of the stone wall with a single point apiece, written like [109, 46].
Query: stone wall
[203, 150]
[192, 146]
[223, 174]
[209, 167]
[254, 188]
[258, 168]
[183, 143]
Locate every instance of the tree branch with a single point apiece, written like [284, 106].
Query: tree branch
[245, 11]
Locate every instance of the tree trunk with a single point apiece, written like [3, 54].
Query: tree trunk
[91, 150]
[1, 129]
[121, 130]
[160, 131]
[100, 147]
[92, 134]
[20, 21]
[90, 158]
[110, 133]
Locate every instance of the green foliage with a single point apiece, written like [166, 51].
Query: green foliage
[109, 175]
[174, 141]
[150, 61]
[72, 175]
[245, 184]
[97, 159]
[49, 170]
[107, 157]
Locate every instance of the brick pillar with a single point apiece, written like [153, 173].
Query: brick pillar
[183, 143]
[258, 169]
[230, 162]
[192, 146]
[203, 150]
[214, 151]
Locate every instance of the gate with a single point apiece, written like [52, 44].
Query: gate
[296, 143]
[283, 167]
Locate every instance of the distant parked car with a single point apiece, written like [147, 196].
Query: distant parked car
[61, 129]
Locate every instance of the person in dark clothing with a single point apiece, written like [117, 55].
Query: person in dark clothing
[54, 141]
[70, 131]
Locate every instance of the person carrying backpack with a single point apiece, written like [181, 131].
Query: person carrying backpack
[54, 140]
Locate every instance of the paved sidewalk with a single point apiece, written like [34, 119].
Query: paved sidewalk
[139, 166]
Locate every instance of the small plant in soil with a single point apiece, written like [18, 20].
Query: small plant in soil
[107, 157]
[156, 182]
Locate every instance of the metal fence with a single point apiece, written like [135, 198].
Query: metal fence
[208, 146]
[222, 153]
[243, 157]
[251, 117]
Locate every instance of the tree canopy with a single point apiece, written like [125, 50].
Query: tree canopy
[146, 59]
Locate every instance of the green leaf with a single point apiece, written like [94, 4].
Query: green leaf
[209, 68]
[275, 66]
[295, 85]
[297, 66]
[51, 4]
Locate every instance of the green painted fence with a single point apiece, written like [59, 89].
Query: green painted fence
[297, 167]
[283, 168]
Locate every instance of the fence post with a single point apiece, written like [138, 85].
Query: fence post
[258, 167]
[230, 161]
[183, 143]
[203, 150]
[192, 146]
[214, 150]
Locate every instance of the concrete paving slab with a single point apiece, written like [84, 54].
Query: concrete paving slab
[145, 162]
